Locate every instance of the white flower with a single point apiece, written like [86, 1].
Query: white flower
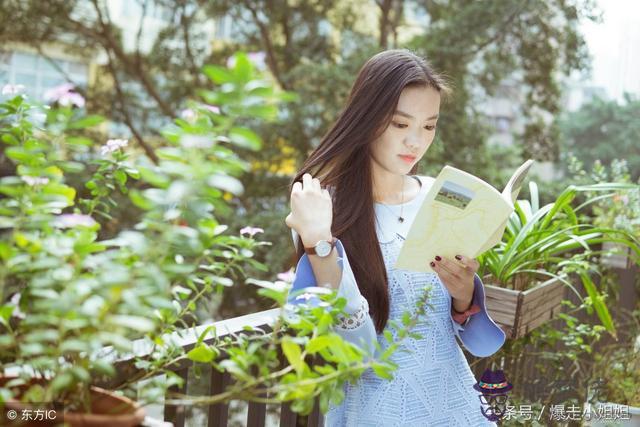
[10, 89]
[196, 141]
[112, 145]
[35, 180]
[251, 230]
[15, 300]
[188, 114]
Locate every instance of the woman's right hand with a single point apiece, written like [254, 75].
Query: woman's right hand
[311, 211]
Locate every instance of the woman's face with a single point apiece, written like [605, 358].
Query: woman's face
[410, 132]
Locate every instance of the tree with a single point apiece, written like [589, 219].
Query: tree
[315, 48]
[604, 130]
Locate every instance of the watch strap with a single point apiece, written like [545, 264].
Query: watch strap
[312, 250]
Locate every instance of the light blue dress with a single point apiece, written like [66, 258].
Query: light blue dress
[433, 385]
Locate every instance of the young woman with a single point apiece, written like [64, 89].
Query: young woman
[352, 204]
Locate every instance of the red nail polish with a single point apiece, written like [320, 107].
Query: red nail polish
[458, 257]
[433, 264]
[438, 258]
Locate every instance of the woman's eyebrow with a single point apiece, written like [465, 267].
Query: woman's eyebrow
[402, 113]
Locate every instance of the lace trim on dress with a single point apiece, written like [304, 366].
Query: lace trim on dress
[356, 319]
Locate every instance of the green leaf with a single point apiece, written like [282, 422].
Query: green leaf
[138, 323]
[598, 304]
[243, 67]
[324, 323]
[202, 353]
[382, 371]
[217, 74]
[293, 354]
[5, 313]
[318, 343]
[61, 382]
[245, 138]
[102, 367]
[406, 318]
[86, 122]
[120, 176]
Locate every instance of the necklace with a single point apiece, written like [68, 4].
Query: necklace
[400, 218]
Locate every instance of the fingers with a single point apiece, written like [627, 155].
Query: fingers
[445, 275]
[449, 267]
[311, 183]
[306, 181]
[470, 263]
[458, 268]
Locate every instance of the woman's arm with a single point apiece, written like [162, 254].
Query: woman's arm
[325, 269]
[357, 326]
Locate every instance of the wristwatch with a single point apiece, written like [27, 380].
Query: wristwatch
[323, 248]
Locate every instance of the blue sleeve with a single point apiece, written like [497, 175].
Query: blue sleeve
[479, 334]
[357, 327]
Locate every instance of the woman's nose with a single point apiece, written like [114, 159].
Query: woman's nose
[413, 143]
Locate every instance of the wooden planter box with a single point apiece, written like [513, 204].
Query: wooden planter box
[519, 312]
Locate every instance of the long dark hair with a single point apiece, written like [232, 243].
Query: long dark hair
[342, 163]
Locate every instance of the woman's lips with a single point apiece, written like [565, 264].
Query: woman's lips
[408, 159]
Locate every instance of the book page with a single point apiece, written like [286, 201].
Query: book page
[458, 215]
[512, 189]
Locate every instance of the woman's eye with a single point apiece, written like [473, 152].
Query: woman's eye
[430, 127]
[399, 125]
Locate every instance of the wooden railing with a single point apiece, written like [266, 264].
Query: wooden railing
[218, 414]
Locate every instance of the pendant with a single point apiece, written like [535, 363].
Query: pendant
[400, 219]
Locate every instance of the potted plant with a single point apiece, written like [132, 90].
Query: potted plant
[526, 273]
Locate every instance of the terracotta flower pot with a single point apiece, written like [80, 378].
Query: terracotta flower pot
[107, 410]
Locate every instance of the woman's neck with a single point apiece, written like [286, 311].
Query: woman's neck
[394, 189]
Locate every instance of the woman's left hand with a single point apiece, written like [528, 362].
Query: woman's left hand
[457, 275]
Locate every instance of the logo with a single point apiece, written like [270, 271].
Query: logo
[494, 388]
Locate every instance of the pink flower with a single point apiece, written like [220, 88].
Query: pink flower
[287, 276]
[251, 230]
[73, 220]
[214, 109]
[10, 89]
[64, 95]
[258, 59]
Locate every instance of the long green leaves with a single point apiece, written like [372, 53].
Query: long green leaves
[551, 241]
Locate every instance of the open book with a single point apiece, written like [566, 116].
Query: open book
[461, 214]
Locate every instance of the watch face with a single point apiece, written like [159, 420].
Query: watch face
[323, 248]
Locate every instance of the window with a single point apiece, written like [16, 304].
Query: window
[38, 74]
